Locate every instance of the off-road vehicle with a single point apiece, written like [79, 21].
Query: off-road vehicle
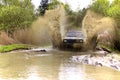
[74, 38]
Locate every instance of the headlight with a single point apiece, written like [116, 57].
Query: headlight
[64, 40]
[81, 40]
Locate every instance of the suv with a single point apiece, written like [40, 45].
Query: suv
[74, 37]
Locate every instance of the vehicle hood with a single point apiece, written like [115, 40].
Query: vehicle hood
[73, 38]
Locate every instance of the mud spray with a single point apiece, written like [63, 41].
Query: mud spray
[46, 30]
[99, 30]
[51, 28]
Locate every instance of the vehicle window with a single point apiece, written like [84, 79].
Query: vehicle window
[74, 34]
[71, 34]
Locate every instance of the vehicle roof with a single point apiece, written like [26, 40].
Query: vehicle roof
[74, 31]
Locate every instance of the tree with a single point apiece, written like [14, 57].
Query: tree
[67, 9]
[79, 17]
[43, 6]
[114, 11]
[100, 6]
[53, 4]
[116, 2]
[16, 14]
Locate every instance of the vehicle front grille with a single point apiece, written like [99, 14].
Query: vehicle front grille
[73, 41]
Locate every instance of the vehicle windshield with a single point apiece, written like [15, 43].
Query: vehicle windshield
[74, 34]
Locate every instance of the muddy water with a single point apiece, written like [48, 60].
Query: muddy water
[53, 65]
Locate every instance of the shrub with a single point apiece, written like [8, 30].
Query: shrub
[14, 17]
[100, 6]
[12, 47]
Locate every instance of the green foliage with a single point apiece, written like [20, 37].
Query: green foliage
[79, 17]
[20, 3]
[74, 18]
[67, 9]
[43, 6]
[12, 18]
[105, 8]
[114, 11]
[53, 4]
[115, 2]
[48, 6]
[100, 6]
[15, 14]
[8, 48]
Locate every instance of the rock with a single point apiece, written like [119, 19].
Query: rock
[98, 64]
[113, 66]
[43, 50]
[99, 60]
[107, 50]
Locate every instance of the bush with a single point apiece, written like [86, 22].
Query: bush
[15, 14]
[54, 4]
[100, 6]
[114, 11]
[12, 47]
[74, 18]
[12, 18]
[105, 8]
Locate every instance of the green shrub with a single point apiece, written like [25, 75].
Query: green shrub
[15, 14]
[13, 17]
[8, 48]
[54, 4]
[114, 11]
[100, 6]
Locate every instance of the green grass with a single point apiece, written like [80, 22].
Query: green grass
[108, 48]
[8, 48]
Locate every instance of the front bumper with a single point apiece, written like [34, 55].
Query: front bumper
[71, 41]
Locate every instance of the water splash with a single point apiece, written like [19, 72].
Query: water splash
[95, 25]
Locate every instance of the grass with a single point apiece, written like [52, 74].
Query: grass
[8, 48]
[108, 48]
